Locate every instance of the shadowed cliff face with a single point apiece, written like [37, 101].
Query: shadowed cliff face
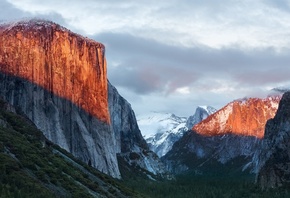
[64, 63]
[124, 123]
[129, 140]
[274, 156]
[58, 79]
[210, 154]
[64, 123]
[242, 117]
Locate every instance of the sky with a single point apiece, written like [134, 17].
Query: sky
[171, 55]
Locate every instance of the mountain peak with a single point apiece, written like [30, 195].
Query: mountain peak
[156, 122]
[43, 26]
[58, 60]
[208, 109]
[59, 80]
[200, 114]
[162, 130]
[29, 23]
[246, 116]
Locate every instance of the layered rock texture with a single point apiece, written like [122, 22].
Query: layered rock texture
[58, 79]
[274, 156]
[241, 117]
[64, 63]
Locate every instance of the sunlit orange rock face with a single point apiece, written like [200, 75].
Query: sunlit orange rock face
[241, 117]
[64, 63]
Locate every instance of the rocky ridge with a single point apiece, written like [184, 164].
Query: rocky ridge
[130, 144]
[208, 154]
[58, 80]
[241, 117]
[201, 113]
[231, 135]
[162, 130]
[62, 62]
[274, 155]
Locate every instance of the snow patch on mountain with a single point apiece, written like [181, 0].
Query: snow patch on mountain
[156, 122]
[162, 130]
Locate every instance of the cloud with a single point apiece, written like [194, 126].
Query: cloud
[146, 66]
[151, 66]
[10, 12]
[171, 55]
[283, 5]
[189, 23]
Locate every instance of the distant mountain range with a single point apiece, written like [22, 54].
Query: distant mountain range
[229, 136]
[162, 130]
[245, 116]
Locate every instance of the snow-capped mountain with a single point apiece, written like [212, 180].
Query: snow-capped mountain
[229, 137]
[201, 113]
[162, 130]
[156, 122]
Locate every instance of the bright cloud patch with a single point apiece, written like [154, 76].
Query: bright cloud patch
[183, 90]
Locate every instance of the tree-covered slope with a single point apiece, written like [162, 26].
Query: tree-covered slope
[31, 166]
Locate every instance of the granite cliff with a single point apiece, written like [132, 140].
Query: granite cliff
[201, 113]
[63, 63]
[58, 80]
[274, 154]
[130, 144]
[228, 137]
[241, 117]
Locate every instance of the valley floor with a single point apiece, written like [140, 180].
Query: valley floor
[203, 187]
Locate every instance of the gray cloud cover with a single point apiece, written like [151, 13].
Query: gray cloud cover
[172, 55]
[155, 65]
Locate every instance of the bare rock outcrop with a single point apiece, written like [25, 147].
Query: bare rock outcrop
[58, 80]
[240, 117]
[274, 156]
[229, 137]
[130, 144]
